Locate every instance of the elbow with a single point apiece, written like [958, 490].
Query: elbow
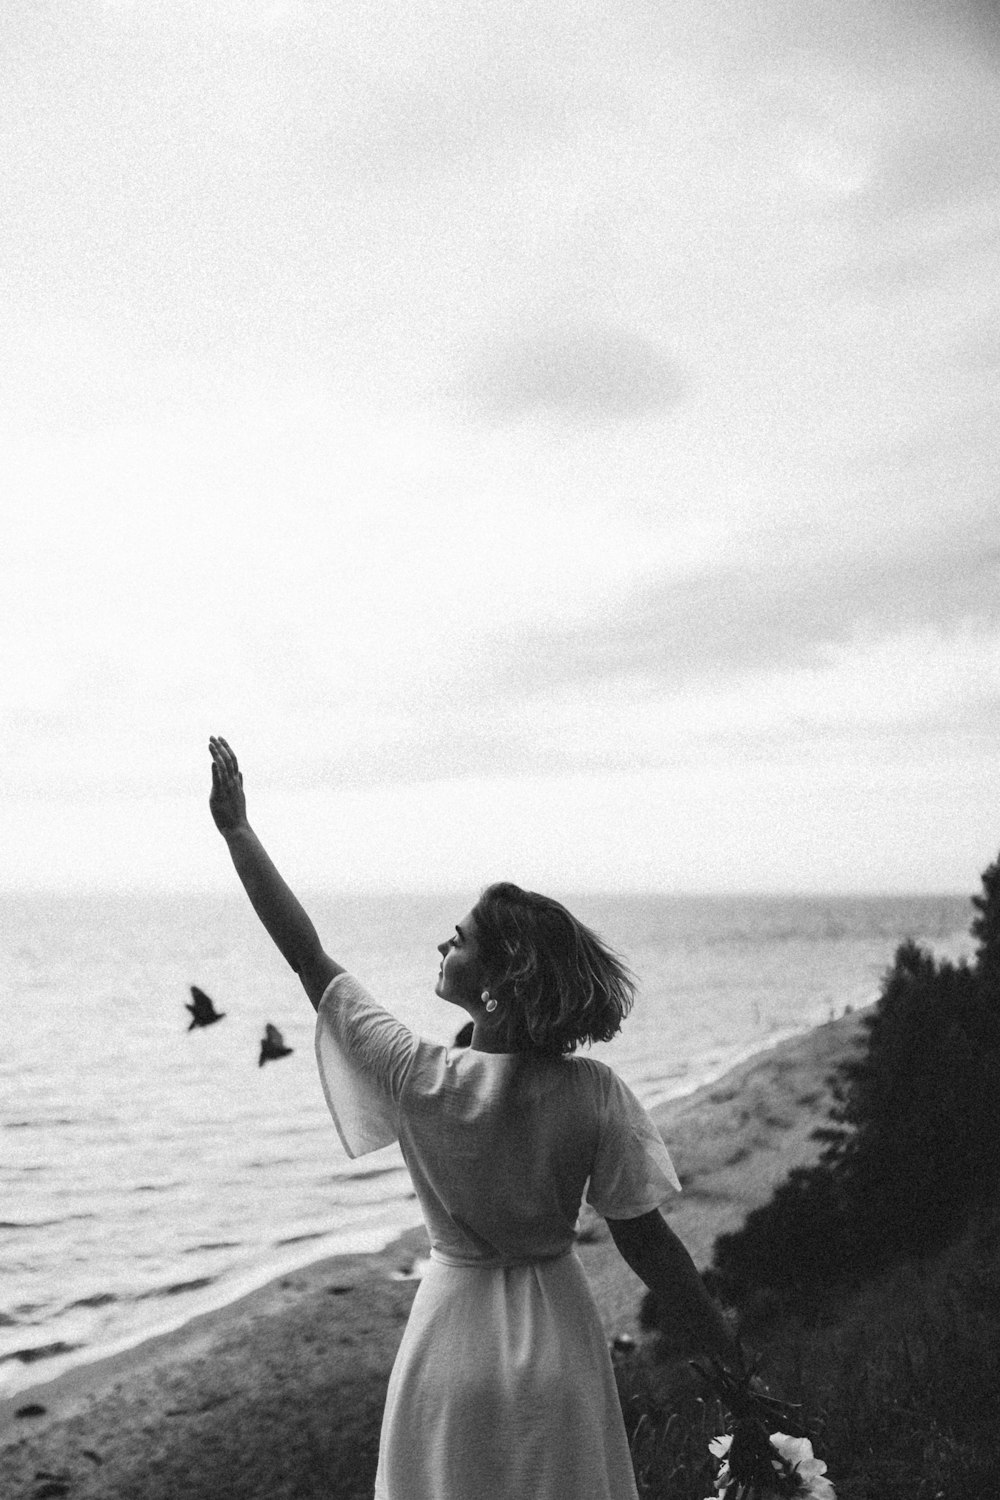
[304, 954]
[652, 1248]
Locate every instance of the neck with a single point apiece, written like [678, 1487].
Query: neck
[484, 1039]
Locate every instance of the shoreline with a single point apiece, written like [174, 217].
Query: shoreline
[227, 1292]
[293, 1371]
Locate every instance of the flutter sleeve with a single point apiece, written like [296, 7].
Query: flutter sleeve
[632, 1171]
[364, 1055]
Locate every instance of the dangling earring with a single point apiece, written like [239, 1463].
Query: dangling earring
[491, 1005]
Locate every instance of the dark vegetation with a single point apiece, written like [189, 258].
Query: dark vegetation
[870, 1283]
[913, 1145]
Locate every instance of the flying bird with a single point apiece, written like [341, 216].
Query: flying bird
[272, 1045]
[203, 1011]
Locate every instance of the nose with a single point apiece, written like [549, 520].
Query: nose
[442, 948]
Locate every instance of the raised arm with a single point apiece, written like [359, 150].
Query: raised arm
[660, 1259]
[276, 906]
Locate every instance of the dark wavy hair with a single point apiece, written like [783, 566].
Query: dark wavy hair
[555, 982]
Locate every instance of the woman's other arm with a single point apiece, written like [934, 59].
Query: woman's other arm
[660, 1259]
[276, 906]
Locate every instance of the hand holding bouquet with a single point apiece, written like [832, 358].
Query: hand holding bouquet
[758, 1461]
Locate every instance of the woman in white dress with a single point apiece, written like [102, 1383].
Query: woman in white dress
[502, 1388]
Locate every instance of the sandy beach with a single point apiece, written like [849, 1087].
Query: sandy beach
[280, 1393]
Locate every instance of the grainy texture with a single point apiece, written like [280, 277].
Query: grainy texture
[279, 1396]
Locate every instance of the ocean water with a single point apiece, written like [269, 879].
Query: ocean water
[148, 1172]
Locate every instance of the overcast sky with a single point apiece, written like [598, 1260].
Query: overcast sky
[552, 441]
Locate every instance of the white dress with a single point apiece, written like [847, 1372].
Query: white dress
[502, 1388]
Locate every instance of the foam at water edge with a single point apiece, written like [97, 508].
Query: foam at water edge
[17, 1380]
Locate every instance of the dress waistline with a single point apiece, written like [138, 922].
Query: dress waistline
[494, 1262]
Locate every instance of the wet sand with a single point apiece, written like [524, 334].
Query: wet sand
[280, 1393]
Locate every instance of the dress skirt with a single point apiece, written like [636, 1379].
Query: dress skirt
[503, 1390]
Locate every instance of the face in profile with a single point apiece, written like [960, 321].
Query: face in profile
[460, 978]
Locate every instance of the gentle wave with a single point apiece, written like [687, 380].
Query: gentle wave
[36, 1352]
[30, 1224]
[176, 1289]
[54, 1359]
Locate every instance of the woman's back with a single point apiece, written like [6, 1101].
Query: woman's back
[501, 1146]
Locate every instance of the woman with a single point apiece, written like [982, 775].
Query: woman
[502, 1388]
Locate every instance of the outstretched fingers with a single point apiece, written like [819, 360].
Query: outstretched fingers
[227, 802]
[218, 763]
[224, 759]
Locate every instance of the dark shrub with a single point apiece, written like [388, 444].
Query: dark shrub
[913, 1143]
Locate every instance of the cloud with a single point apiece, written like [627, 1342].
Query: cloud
[919, 693]
[943, 163]
[574, 370]
[743, 618]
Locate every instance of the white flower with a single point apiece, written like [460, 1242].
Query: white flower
[719, 1447]
[810, 1470]
[796, 1451]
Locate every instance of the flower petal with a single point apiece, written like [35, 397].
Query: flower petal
[795, 1450]
[819, 1489]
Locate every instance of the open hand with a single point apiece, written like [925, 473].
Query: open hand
[226, 801]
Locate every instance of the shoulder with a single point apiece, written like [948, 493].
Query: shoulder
[345, 1000]
[591, 1074]
[344, 987]
[615, 1098]
[592, 1066]
[348, 1012]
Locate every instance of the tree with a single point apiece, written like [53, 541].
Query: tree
[986, 928]
[913, 1140]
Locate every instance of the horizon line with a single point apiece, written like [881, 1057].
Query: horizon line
[461, 889]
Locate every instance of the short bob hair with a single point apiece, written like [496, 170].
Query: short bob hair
[556, 984]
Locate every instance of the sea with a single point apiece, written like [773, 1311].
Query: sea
[149, 1172]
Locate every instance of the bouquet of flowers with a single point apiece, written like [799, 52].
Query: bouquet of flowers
[757, 1462]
